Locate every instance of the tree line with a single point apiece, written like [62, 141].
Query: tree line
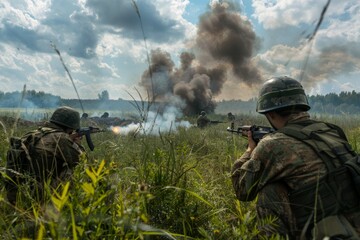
[331, 103]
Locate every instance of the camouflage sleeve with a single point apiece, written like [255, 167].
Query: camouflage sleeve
[275, 158]
[69, 152]
[244, 176]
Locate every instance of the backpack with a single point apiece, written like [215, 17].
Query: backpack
[18, 160]
[339, 191]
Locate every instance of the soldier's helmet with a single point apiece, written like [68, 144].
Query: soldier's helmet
[66, 117]
[203, 113]
[105, 115]
[280, 93]
[84, 115]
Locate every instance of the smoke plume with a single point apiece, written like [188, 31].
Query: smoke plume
[223, 49]
[155, 123]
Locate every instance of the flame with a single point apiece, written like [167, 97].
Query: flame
[115, 129]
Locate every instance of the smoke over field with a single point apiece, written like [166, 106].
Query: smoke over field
[222, 50]
[155, 124]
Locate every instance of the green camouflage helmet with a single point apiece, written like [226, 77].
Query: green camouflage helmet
[281, 92]
[67, 117]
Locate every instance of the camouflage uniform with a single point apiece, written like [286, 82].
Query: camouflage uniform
[278, 165]
[231, 117]
[202, 120]
[55, 156]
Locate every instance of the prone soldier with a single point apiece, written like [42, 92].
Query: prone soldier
[46, 156]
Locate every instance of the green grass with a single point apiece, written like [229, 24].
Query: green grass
[173, 186]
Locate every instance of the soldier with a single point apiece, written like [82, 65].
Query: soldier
[231, 117]
[290, 177]
[202, 120]
[84, 116]
[54, 150]
[105, 115]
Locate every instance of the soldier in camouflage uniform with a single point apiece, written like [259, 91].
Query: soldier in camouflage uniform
[231, 117]
[54, 153]
[280, 165]
[203, 120]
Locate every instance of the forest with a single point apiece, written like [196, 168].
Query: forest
[331, 103]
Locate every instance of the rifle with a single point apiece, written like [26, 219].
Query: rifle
[258, 132]
[87, 131]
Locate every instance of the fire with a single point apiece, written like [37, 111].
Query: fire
[115, 129]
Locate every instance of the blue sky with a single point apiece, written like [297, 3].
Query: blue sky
[102, 44]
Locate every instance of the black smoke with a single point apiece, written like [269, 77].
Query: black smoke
[223, 48]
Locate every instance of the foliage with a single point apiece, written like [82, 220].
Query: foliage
[172, 186]
[331, 103]
[31, 98]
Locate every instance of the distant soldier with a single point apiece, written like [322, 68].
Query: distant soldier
[84, 116]
[203, 120]
[231, 117]
[105, 115]
[44, 157]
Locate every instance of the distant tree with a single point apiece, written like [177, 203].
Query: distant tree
[104, 95]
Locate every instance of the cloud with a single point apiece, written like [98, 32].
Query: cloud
[334, 52]
[122, 18]
[102, 49]
[277, 14]
[102, 44]
[78, 28]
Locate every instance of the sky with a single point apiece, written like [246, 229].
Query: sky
[191, 52]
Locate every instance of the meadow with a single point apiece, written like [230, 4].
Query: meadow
[172, 184]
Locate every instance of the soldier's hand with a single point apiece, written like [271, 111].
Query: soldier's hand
[76, 138]
[251, 142]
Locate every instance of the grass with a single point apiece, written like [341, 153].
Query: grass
[175, 185]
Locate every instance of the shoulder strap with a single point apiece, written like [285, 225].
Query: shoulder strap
[327, 140]
[30, 139]
[335, 192]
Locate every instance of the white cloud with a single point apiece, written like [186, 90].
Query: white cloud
[275, 14]
[282, 13]
[110, 55]
[175, 9]
[25, 14]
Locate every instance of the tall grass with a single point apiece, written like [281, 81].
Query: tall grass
[172, 186]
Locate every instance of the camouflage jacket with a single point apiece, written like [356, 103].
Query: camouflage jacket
[202, 121]
[55, 156]
[277, 157]
[284, 164]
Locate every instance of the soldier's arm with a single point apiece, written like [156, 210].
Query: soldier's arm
[245, 173]
[70, 152]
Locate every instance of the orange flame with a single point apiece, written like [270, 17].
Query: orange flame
[115, 129]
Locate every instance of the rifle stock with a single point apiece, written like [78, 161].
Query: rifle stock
[258, 132]
[87, 131]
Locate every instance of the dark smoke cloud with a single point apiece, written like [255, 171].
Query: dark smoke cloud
[225, 43]
[227, 37]
[157, 79]
[193, 86]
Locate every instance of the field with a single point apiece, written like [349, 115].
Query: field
[166, 184]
